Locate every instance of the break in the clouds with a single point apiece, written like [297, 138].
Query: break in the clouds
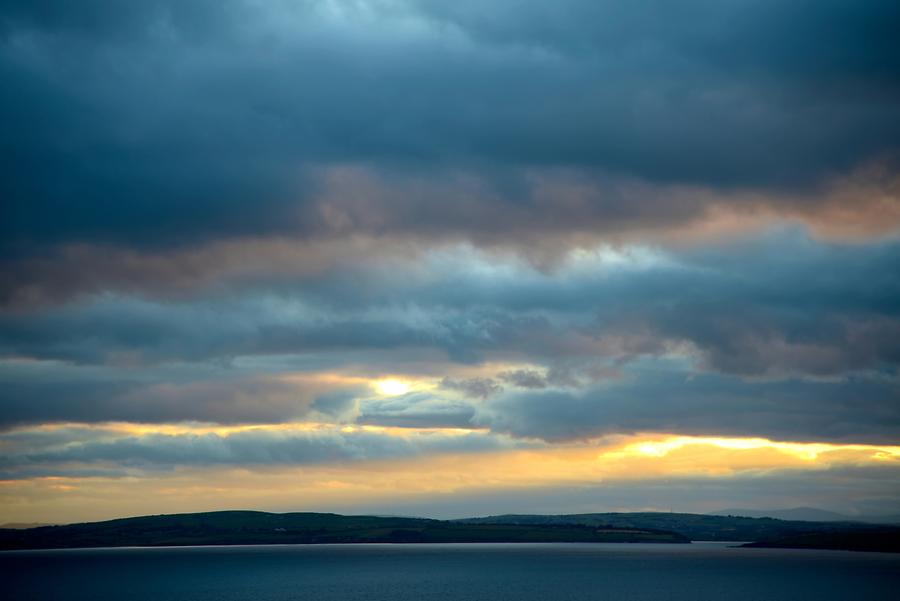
[785, 337]
[279, 235]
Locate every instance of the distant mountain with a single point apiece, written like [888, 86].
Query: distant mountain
[884, 519]
[808, 514]
[692, 525]
[256, 527]
[22, 525]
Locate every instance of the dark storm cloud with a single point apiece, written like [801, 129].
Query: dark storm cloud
[807, 38]
[173, 123]
[95, 150]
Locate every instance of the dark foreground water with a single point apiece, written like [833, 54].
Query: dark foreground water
[514, 572]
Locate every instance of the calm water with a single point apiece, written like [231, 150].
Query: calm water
[515, 572]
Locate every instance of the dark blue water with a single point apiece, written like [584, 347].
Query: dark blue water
[515, 572]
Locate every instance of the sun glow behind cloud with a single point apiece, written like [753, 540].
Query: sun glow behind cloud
[392, 387]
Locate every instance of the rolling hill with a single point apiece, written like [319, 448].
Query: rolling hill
[254, 527]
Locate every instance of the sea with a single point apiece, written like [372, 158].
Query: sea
[424, 572]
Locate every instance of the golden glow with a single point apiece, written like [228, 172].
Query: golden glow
[340, 486]
[808, 451]
[392, 387]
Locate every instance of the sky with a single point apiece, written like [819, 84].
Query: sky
[448, 259]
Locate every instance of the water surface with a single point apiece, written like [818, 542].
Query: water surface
[495, 572]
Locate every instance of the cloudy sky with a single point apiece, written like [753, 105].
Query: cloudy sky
[448, 258]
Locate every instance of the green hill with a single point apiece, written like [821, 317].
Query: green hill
[254, 527]
[691, 525]
[257, 527]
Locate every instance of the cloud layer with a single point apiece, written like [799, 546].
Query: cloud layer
[610, 339]
[541, 224]
[161, 124]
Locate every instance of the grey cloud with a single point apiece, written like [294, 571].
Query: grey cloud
[245, 448]
[221, 328]
[771, 307]
[339, 403]
[472, 387]
[556, 375]
[524, 378]
[364, 217]
[646, 396]
[664, 398]
[417, 410]
[60, 393]
[114, 330]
